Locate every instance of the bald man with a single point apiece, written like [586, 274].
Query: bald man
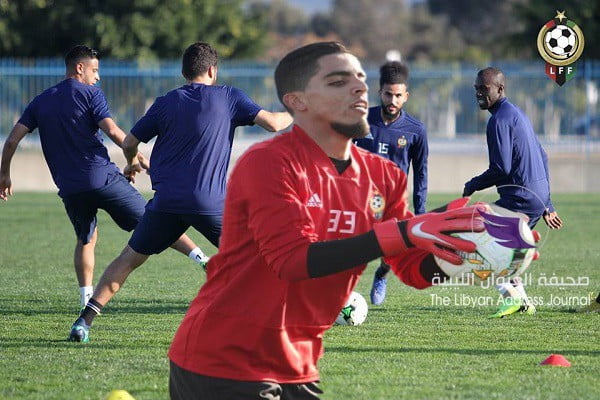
[518, 168]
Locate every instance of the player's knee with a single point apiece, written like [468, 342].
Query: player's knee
[131, 258]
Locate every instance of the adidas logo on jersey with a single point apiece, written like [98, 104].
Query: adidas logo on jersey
[314, 201]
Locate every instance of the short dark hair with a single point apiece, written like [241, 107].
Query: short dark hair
[297, 67]
[393, 72]
[78, 54]
[494, 75]
[197, 59]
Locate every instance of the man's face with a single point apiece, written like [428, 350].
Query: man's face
[393, 96]
[487, 91]
[337, 95]
[88, 71]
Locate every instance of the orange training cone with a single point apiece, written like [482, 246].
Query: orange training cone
[557, 360]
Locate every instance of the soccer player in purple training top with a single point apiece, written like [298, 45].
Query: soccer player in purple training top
[518, 168]
[400, 137]
[68, 116]
[194, 126]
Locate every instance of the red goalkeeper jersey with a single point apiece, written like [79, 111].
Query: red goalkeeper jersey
[259, 317]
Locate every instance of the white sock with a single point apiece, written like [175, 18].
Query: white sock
[198, 256]
[508, 290]
[517, 283]
[85, 293]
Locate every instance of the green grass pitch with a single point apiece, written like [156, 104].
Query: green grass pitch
[412, 347]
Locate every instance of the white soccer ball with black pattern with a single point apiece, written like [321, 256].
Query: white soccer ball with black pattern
[354, 311]
[561, 40]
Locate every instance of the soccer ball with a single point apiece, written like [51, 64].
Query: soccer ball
[505, 249]
[561, 40]
[354, 311]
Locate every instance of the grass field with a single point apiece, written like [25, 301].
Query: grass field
[412, 347]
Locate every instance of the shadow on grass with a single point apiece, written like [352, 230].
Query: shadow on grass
[31, 307]
[103, 343]
[147, 307]
[471, 352]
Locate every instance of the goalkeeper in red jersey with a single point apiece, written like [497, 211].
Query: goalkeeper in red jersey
[304, 213]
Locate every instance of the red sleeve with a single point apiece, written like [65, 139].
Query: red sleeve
[278, 221]
[407, 267]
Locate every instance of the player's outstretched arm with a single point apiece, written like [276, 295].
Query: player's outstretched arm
[273, 121]
[130, 150]
[112, 130]
[430, 232]
[10, 147]
[117, 135]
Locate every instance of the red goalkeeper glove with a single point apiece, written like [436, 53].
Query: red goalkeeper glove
[461, 202]
[431, 232]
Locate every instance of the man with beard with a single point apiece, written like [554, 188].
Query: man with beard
[400, 137]
[304, 212]
[518, 168]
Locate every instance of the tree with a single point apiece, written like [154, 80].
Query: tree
[282, 18]
[509, 29]
[535, 13]
[482, 24]
[321, 24]
[128, 29]
[371, 28]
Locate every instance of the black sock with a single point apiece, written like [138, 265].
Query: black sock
[92, 309]
[382, 270]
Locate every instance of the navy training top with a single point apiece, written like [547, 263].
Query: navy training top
[404, 141]
[518, 163]
[194, 125]
[67, 117]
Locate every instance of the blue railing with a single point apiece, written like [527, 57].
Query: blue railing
[442, 96]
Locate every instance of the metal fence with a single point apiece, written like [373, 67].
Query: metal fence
[442, 96]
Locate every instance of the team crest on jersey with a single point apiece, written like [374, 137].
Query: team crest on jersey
[377, 204]
[402, 142]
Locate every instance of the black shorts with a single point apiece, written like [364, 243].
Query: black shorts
[186, 385]
[118, 198]
[158, 230]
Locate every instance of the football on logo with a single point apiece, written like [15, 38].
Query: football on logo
[561, 40]
[377, 205]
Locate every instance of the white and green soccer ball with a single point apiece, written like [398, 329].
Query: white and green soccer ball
[505, 249]
[354, 311]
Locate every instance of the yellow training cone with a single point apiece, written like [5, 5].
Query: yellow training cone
[119, 395]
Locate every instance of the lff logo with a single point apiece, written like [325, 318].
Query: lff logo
[560, 43]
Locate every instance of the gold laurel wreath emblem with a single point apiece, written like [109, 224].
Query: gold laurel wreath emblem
[554, 59]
